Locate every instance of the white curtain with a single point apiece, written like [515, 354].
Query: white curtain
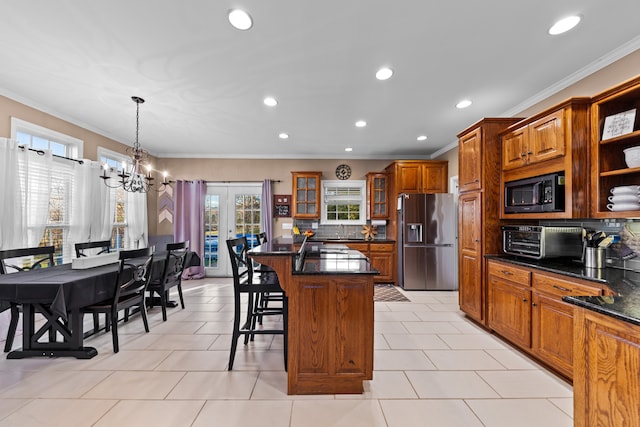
[91, 216]
[25, 191]
[138, 227]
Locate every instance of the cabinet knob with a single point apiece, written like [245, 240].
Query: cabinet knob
[476, 180]
[523, 155]
[524, 300]
[533, 304]
[529, 153]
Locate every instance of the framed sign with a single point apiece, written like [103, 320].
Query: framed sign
[618, 124]
[282, 205]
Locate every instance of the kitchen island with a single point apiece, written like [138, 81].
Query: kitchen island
[330, 297]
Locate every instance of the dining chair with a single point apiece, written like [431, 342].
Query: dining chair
[171, 275]
[30, 258]
[246, 282]
[129, 290]
[103, 245]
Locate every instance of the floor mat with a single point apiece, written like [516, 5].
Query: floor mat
[387, 293]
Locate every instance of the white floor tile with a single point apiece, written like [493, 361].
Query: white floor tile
[462, 360]
[58, 412]
[519, 412]
[156, 413]
[245, 413]
[215, 385]
[422, 413]
[450, 385]
[414, 342]
[398, 360]
[337, 413]
[533, 383]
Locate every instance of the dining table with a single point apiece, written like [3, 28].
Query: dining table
[59, 293]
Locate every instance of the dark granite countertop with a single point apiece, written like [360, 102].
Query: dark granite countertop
[319, 257]
[623, 304]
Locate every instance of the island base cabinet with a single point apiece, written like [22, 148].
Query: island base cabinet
[606, 382]
[331, 341]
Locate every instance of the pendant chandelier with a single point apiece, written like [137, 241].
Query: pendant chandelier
[135, 177]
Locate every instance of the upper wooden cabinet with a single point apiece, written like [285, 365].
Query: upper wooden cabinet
[608, 167]
[536, 142]
[377, 196]
[555, 140]
[306, 194]
[419, 176]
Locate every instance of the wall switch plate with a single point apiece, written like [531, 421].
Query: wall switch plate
[314, 225]
[287, 226]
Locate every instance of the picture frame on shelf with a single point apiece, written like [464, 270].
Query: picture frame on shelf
[618, 124]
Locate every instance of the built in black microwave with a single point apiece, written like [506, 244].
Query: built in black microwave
[543, 193]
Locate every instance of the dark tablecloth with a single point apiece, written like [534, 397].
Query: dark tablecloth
[67, 289]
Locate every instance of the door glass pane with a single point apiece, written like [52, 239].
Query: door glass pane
[212, 226]
[247, 217]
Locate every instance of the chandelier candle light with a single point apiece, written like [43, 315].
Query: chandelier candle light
[135, 180]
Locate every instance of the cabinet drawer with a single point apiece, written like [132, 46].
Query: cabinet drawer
[556, 286]
[362, 247]
[381, 247]
[510, 272]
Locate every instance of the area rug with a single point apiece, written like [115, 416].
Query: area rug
[388, 293]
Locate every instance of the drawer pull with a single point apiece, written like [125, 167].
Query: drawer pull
[524, 300]
[560, 288]
[506, 273]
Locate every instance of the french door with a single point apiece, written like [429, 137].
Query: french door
[231, 210]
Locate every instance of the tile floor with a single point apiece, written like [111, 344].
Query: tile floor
[432, 367]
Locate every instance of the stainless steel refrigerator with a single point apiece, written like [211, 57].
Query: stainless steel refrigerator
[427, 246]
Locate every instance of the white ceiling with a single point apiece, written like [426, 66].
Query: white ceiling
[204, 81]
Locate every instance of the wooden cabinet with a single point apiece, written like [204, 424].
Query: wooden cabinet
[419, 176]
[377, 196]
[478, 209]
[606, 385]
[470, 278]
[381, 256]
[333, 322]
[608, 166]
[555, 140]
[509, 302]
[541, 140]
[306, 194]
[525, 306]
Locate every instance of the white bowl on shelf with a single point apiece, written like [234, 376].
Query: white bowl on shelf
[632, 157]
[625, 189]
[617, 207]
[624, 198]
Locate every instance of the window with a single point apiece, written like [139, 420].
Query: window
[118, 197]
[39, 138]
[343, 202]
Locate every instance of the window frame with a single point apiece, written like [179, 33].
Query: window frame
[119, 158]
[361, 200]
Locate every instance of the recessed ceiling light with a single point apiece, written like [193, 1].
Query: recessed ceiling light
[270, 101]
[348, 149]
[361, 123]
[422, 138]
[564, 25]
[283, 135]
[240, 19]
[463, 104]
[384, 73]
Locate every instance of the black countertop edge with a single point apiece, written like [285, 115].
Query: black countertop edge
[623, 305]
[620, 308]
[330, 240]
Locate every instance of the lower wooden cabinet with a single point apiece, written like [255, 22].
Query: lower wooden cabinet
[525, 306]
[382, 258]
[509, 296]
[606, 385]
